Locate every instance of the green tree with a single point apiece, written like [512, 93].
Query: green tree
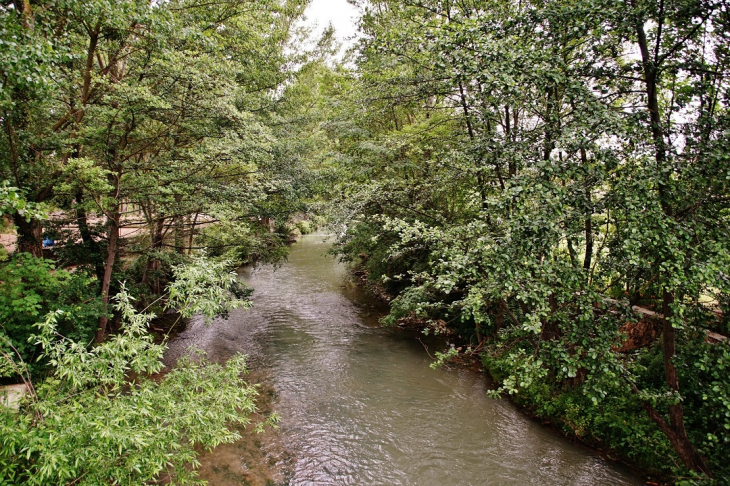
[151, 118]
[529, 171]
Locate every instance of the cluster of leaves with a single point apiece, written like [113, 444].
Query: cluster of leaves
[244, 244]
[11, 202]
[202, 288]
[30, 288]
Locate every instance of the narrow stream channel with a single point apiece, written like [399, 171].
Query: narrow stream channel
[360, 405]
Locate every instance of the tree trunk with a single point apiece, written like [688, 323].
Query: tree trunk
[192, 234]
[500, 317]
[113, 230]
[674, 430]
[652, 103]
[588, 217]
[153, 264]
[30, 236]
[87, 238]
[589, 243]
[179, 234]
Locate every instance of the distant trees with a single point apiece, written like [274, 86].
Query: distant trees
[528, 171]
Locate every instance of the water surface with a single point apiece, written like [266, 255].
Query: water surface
[360, 405]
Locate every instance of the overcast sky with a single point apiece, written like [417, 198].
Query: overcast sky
[341, 14]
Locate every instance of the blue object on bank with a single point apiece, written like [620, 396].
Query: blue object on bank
[48, 242]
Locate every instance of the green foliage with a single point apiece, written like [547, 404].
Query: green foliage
[88, 423]
[411, 302]
[30, 288]
[617, 422]
[305, 227]
[204, 287]
[101, 416]
[172, 125]
[11, 202]
[25, 59]
[442, 358]
[244, 243]
[153, 130]
[529, 172]
[705, 377]
[368, 245]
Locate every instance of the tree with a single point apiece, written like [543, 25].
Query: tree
[567, 154]
[144, 116]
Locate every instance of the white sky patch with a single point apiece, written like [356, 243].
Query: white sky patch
[342, 15]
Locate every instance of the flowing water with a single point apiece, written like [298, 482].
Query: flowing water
[360, 405]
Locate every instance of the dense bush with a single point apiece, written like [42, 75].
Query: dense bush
[100, 416]
[31, 287]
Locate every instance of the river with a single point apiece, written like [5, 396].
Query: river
[360, 404]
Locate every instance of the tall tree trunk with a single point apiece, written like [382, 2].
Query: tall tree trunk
[87, 238]
[153, 263]
[30, 235]
[587, 260]
[675, 429]
[23, 6]
[500, 317]
[472, 136]
[113, 231]
[552, 122]
[651, 71]
[192, 234]
[588, 217]
[179, 234]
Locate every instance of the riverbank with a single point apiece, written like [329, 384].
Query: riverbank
[259, 458]
[561, 410]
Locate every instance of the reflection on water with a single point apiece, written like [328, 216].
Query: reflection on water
[360, 405]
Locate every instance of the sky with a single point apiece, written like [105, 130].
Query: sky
[341, 14]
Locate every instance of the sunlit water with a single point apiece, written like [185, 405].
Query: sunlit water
[360, 405]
